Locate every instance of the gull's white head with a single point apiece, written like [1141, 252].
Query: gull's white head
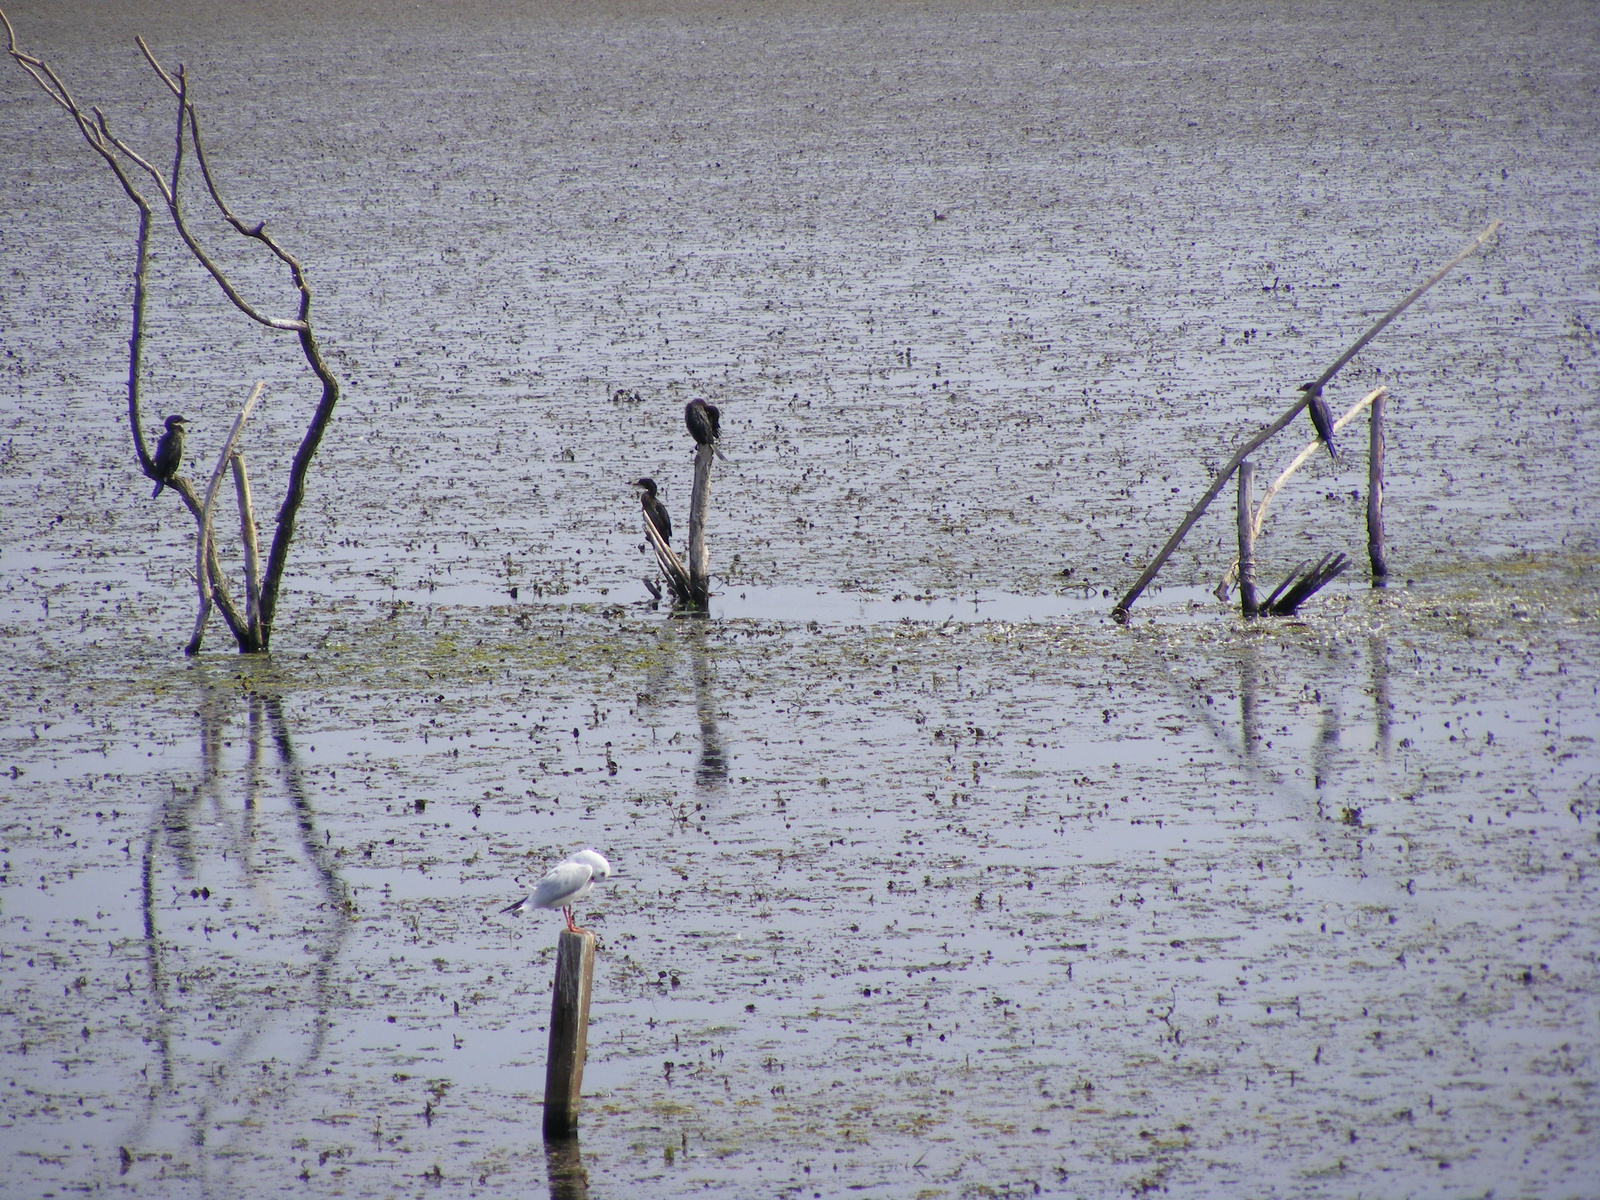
[594, 860]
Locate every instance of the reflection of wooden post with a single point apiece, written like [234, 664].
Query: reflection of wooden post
[1375, 551]
[699, 503]
[569, 1031]
[564, 1165]
[1247, 540]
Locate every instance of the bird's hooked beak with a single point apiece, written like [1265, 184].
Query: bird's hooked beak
[1310, 387]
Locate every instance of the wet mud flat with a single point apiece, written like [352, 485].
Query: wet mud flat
[945, 909]
[938, 882]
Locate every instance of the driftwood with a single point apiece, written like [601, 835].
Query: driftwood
[1120, 612]
[252, 629]
[1299, 460]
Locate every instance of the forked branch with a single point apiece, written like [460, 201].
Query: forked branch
[254, 631]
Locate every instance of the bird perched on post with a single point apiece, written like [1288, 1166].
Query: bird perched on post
[653, 508]
[566, 884]
[1321, 418]
[705, 425]
[169, 453]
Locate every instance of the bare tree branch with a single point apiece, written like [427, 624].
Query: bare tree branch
[254, 631]
[252, 553]
[204, 541]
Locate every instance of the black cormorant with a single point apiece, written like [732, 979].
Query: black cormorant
[704, 422]
[654, 509]
[169, 453]
[1321, 418]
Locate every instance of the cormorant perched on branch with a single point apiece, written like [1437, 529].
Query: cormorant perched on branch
[653, 508]
[704, 422]
[1321, 418]
[169, 453]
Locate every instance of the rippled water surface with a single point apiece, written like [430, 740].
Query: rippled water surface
[937, 881]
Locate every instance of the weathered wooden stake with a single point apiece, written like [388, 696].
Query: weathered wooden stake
[699, 504]
[1247, 539]
[569, 1032]
[1375, 551]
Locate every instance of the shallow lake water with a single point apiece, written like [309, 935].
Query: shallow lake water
[936, 881]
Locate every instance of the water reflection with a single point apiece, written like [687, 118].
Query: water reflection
[712, 769]
[1249, 674]
[203, 837]
[564, 1164]
[1327, 743]
[1382, 706]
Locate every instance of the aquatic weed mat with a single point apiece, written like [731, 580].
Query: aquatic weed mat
[913, 908]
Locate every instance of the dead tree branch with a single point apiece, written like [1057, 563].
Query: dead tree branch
[204, 540]
[1301, 584]
[252, 632]
[1120, 612]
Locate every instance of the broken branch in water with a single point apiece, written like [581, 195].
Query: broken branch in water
[1301, 584]
[1120, 612]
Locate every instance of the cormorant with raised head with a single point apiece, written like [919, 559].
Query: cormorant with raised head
[169, 453]
[1321, 418]
[654, 510]
[704, 422]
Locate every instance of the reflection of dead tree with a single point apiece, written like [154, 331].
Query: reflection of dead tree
[1309, 392]
[252, 628]
[168, 961]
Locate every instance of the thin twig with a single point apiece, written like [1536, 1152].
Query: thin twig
[1402, 306]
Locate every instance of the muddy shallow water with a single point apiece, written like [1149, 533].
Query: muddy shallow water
[937, 882]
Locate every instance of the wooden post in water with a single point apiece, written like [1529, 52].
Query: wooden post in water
[569, 1032]
[699, 503]
[1247, 539]
[1375, 549]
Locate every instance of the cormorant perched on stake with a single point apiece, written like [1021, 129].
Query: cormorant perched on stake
[705, 425]
[169, 453]
[1321, 418]
[653, 508]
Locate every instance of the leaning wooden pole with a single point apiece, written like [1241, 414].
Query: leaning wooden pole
[699, 505]
[1120, 612]
[1375, 547]
[1247, 540]
[569, 1032]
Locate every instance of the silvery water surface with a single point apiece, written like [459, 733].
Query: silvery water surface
[938, 883]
